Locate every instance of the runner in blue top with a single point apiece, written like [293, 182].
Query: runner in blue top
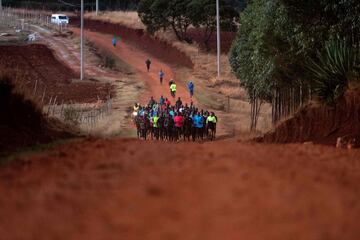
[161, 75]
[171, 112]
[191, 88]
[162, 100]
[114, 40]
[199, 124]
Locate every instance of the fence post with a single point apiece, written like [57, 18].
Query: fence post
[36, 82]
[228, 103]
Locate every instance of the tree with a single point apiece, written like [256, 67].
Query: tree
[161, 14]
[333, 69]
[179, 15]
[203, 16]
[266, 58]
[70, 4]
[277, 39]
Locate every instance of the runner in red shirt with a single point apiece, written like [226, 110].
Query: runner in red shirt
[167, 102]
[179, 121]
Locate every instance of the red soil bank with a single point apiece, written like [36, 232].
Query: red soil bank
[320, 124]
[37, 63]
[140, 39]
[23, 123]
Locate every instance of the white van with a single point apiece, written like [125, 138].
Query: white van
[59, 19]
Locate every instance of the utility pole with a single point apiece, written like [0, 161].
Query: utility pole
[82, 42]
[97, 7]
[218, 36]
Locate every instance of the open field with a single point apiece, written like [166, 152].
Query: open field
[37, 69]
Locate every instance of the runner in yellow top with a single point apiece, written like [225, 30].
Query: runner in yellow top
[211, 118]
[173, 89]
[211, 125]
[156, 126]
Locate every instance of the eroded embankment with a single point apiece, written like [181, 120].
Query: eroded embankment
[320, 124]
[22, 122]
[140, 39]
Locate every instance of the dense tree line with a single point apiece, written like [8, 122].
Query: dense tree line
[288, 51]
[73, 4]
[180, 15]
[104, 4]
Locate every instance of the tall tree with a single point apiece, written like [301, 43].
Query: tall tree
[203, 16]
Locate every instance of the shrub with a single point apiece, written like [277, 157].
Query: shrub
[109, 62]
[332, 70]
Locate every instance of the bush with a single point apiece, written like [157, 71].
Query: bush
[109, 62]
[332, 70]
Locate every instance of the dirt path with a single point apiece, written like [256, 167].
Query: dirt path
[136, 59]
[124, 189]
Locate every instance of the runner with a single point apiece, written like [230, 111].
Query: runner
[148, 63]
[173, 89]
[114, 41]
[199, 124]
[151, 102]
[211, 125]
[156, 126]
[191, 88]
[162, 100]
[178, 104]
[178, 119]
[161, 76]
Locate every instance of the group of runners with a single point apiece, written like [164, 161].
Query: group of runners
[163, 121]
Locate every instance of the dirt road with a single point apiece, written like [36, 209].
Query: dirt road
[124, 189]
[136, 59]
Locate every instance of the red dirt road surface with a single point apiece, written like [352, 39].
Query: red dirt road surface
[124, 189]
[136, 58]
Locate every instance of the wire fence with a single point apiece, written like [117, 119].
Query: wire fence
[23, 18]
[85, 115]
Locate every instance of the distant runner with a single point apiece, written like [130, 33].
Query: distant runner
[114, 41]
[191, 88]
[148, 63]
[173, 89]
[161, 76]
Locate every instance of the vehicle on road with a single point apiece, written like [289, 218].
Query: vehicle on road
[59, 19]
